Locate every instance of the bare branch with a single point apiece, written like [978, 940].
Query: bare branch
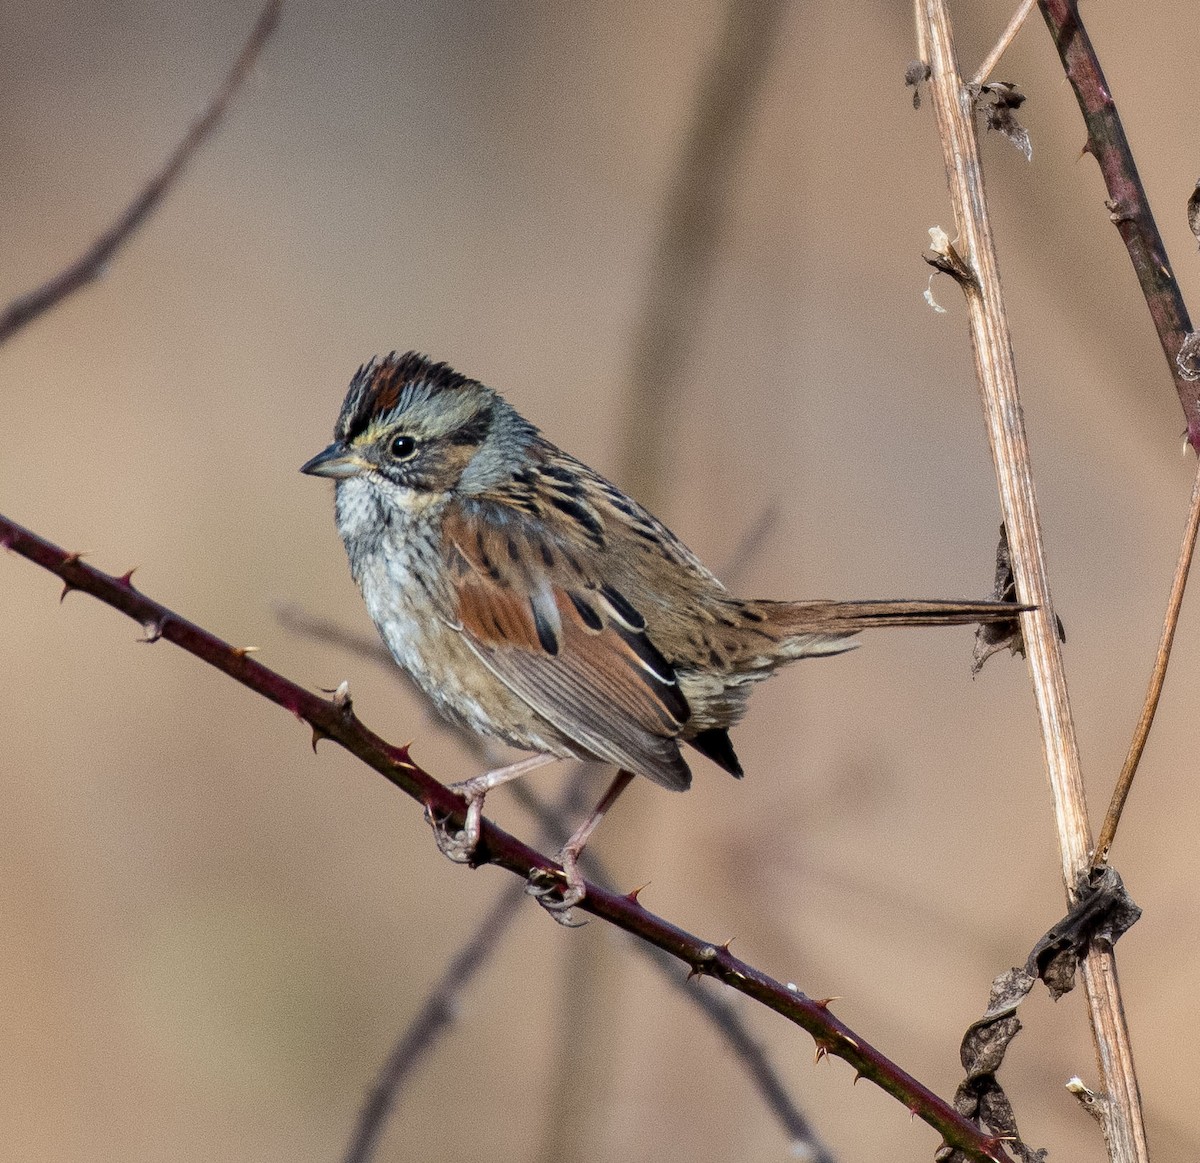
[1129, 208]
[335, 719]
[1158, 676]
[971, 259]
[1006, 38]
[90, 265]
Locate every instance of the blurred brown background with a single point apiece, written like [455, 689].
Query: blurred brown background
[211, 937]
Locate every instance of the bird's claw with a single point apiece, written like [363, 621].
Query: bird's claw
[458, 845]
[557, 892]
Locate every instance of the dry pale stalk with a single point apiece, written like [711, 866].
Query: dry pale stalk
[1006, 38]
[972, 259]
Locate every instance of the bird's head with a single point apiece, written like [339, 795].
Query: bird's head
[416, 429]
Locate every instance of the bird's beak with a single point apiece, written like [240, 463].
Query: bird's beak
[336, 461]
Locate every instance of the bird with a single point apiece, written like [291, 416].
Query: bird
[536, 603]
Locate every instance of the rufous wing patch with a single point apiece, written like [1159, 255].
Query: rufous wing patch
[575, 655]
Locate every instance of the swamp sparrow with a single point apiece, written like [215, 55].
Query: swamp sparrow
[535, 602]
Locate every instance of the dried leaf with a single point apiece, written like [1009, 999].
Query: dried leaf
[944, 258]
[993, 637]
[1193, 211]
[916, 72]
[999, 101]
[1103, 912]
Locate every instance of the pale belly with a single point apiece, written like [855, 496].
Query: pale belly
[398, 575]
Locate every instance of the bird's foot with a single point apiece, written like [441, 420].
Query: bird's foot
[460, 846]
[558, 892]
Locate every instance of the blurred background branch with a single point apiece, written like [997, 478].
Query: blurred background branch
[94, 262]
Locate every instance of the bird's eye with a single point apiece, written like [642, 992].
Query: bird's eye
[403, 447]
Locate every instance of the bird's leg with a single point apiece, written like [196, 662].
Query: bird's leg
[460, 846]
[568, 856]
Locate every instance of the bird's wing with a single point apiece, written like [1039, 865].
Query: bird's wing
[574, 649]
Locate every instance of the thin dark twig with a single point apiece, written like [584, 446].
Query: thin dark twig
[434, 1016]
[335, 719]
[1129, 208]
[1158, 676]
[89, 266]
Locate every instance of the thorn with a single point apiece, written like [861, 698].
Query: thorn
[823, 1003]
[850, 1042]
[126, 579]
[857, 1075]
[342, 699]
[67, 588]
[242, 651]
[75, 558]
[632, 896]
[822, 1052]
[153, 631]
[724, 947]
[317, 736]
[912, 1114]
[399, 756]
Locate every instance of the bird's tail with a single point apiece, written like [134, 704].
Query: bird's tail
[805, 628]
[800, 617]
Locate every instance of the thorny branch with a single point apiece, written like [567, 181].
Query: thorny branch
[437, 1011]
[335, 719]
[1129, 208]
[92, 264]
